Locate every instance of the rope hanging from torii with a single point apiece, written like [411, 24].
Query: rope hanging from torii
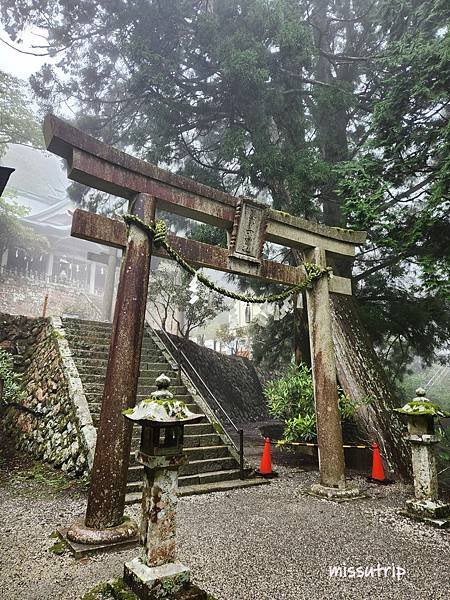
[157, 232]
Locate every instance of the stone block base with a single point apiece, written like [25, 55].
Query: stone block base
[117, 589]
[337, 494]
[435, 513]
[156, 583]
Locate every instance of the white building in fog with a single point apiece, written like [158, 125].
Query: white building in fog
[39, 184]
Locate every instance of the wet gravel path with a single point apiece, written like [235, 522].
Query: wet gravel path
[265, 543]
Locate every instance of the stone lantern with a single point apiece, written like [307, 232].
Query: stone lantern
[421, 415]
[156, 573]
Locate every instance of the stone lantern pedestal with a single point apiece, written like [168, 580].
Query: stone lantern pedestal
[421, 420]
[156, 574]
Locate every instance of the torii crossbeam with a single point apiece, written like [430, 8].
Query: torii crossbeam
[249, 224]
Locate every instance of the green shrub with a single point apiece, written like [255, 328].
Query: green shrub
[291, 399]
[292, 394]
[12, 387]
[301, 428]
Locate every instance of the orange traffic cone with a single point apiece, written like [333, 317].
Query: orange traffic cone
[377, 465]
[265, 468]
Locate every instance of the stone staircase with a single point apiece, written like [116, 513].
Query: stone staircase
[213, 464]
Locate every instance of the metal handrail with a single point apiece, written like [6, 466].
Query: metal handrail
[92, 303]
[181, 367]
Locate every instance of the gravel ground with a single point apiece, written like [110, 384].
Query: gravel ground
[265, 543]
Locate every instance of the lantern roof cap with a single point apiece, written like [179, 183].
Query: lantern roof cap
[420, 405]
[162, 411]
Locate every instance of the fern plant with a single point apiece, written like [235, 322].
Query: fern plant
[12, 382]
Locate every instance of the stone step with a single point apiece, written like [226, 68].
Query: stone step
[102, 335]
[204, 488]
[218, 486]
[211, 465]
[194, 467]
[89, 334]
[202, 428]
[202, 440]
[135, 473]
[91, 328]
[100, 344]
[75, 331]
[143, 383]
[209, 477]
[97, 345]
[208, 465]
[158, 366]
[144, 389]
[193, 454]
[135, 487]
[86, 357]
[85, 324]
[86, 361]
[99, 360]
[94, 400]
[146, 376]
[206, 452]
[95, 414]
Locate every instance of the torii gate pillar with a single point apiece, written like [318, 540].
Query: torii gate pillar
[104, 522]
[329, 430]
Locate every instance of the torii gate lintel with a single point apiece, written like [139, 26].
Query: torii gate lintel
[113, 232]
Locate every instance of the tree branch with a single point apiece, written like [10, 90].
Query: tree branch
[305, 80]
[349, 59]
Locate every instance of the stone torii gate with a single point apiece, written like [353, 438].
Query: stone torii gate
[249, 225]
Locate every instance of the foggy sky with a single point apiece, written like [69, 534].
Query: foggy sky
[17, 64]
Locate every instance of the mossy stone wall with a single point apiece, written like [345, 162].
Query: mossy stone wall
[52, 432]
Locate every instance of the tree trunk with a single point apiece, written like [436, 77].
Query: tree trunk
[302, 349]
[361, 376]
[358, 368]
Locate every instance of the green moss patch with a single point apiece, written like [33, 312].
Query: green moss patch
[114, 589]
[421, 407]
[58, 548]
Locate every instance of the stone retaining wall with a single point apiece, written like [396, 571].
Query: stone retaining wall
[17, 336]
[61, 430]
[21, 295]
[233, 380]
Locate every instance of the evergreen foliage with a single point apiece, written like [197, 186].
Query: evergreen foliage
[18, 124]
[14, 233]
[12, 384]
